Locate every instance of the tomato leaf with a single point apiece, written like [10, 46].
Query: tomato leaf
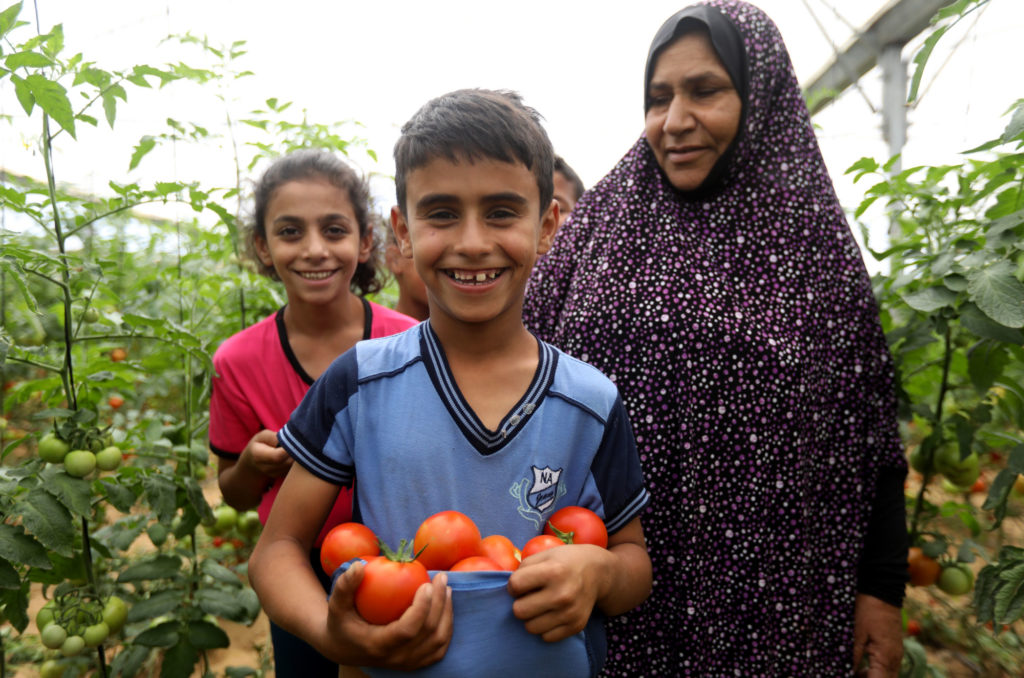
[160, 493]
[164, 635]
[48, 520]
[145, 145]
[15, 606]
[161, 567]
[9, 576]
[220, 573]
[985, 364]
[221, 604]
[18, 547]
[197, 499]
[119, 496]
[9, 18]
[23, 91]
[1009, 595]
[129, 661]
[977, 322]
[27, 60]
[73, 493]
[155, 606]
[179, 661]
[206, 636]
[930, 299]
[998, 495]
[53, 99]
[998, 293]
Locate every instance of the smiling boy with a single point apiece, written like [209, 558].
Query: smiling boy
[483, 418]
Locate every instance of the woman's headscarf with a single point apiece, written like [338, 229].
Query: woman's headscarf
[739, 325]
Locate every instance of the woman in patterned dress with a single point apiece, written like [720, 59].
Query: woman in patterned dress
[712, 275]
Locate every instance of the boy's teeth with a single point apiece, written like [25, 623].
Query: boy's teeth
[316, 275]
[482, 276]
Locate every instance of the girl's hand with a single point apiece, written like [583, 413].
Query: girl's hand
[262, 454]
[420, 637]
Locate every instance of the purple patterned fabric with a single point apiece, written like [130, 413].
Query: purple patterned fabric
[741, 329]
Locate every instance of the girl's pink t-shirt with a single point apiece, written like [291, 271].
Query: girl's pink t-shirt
[259, 382]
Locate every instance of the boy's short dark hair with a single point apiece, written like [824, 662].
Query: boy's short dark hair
[562, 167]
[476, 123]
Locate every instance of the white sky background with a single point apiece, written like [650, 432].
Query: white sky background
[579, 63]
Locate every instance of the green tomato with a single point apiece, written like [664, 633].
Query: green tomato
[72, 646]
[45, 615]
[918, 461]
[956, 580]
[109, 458]
[224, 518]
[962, 472]
[115, 611]
[249, 523]
[80, 463]
[91, 315]
[51, 668]
[53, 449]
[95, 634]
[53, 636]
[157, 534]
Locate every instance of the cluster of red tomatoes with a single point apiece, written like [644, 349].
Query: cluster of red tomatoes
[448, 540]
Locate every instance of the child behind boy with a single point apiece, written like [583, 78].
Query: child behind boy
[483, 418]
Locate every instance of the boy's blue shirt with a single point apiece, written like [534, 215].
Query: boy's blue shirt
[388, 412]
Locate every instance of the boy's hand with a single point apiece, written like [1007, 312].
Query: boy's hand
[556, 589]
[420, 637]
[263, 454]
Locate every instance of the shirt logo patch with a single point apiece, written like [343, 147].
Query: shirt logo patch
[538, 494]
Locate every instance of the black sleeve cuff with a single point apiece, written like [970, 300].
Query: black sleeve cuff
[882, 572]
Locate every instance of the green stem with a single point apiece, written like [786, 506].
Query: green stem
[936, 429]
[67, 373]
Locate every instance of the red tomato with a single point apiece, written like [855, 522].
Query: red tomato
[542, 542]
[578, 525]
[502, 551]
[913, 627]
[388, 588]
[445, 538]
[476, 564]
[116, 401]
[345, 542]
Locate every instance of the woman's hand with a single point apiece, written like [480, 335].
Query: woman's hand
[878, 636]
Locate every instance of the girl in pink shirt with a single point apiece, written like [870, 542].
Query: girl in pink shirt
[311, 231]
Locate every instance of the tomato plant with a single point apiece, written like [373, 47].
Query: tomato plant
[542, 542]
[445, 538]
[389, 584]
[345, 542]
[577, 525]
[502, 551]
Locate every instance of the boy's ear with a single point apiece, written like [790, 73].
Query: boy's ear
[548, 227]
[401, 228]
